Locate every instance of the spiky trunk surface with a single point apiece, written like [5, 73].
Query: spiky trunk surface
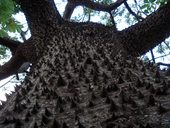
[81, 83]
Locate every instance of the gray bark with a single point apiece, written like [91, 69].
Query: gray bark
[84, 75]
[80, 82]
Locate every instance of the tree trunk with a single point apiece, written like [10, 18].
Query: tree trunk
[85, 76]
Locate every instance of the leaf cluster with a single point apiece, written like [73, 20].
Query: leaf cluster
[8, 8]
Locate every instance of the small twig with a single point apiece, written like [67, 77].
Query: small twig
[7, 82]
[139, 18]
[166, 44]
[89, 17]
[72, 4]
[160, 56]
[23, 33]
[163, 64]
[112, 20]
[153, 57]
[163, 51]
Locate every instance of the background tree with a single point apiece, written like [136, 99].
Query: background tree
[87, 74]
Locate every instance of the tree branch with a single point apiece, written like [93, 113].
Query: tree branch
[141, 37]
[11, 67]
[39, 14]
[11, 44]
[7, 82]
[139, 18]
[113, 21]
[163, 64]
[25, 52]
[98, 6]
[90, 4]
[69, 8]
[152, 55]
[23, 33]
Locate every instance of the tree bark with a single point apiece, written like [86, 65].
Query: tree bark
[40, 14]
[87, 74]
[147, 34]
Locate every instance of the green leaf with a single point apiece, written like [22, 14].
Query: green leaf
[3, 33]
[144, 6]
[3, 52]
[6, 10]
[7, 23]
[146, 1]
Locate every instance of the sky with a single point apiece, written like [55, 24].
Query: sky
[9, 83]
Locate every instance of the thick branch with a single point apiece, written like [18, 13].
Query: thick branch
[11, 44]
[69, 9]
[11, 67]
[90, 4]
[40, 14]
[141, 37]
[26, 52]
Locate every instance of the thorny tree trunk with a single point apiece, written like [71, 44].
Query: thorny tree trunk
[86, 76]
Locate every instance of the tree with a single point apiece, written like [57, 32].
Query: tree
[86, 74]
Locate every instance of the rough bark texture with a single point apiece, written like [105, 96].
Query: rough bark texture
[82, 84]
[149, 33]
[84, 76]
